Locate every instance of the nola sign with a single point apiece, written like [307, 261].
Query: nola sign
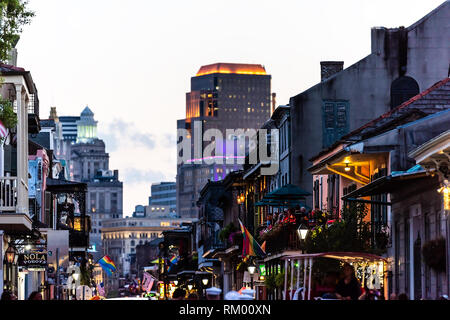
[32, 260]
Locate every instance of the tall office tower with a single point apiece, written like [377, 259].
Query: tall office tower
[89, 163]
[223, 96]
[164, 194]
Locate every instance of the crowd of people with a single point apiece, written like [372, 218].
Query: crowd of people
[8, 296]
[214, 293]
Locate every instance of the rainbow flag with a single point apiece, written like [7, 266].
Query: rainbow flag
[250, 246]
[173, 261]
[107, 264]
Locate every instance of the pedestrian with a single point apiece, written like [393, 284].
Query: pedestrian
[213, 293]
[192, 296]
[403, 296]
[348, 288]
[178, 294]
[35, 296]
[7, 296]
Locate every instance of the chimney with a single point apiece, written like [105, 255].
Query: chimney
[116, 175]
[53, 114]
[329, 68]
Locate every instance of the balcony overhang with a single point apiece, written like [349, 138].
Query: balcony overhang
[348, 163]
[434, 155]
[387, 184]
[15, 222]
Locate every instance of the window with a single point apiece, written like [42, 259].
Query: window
[403, 89]
[334, 121]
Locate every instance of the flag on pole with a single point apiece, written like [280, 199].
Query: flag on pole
[250, 246]
[3, 130]
[147, 282]
[263, 246]
[101, 289]
[108, 265]
[173, 261]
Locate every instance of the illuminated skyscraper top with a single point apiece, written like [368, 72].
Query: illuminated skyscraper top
[86, 126]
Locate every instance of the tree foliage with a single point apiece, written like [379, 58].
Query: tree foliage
[13, 16]
[7, 114]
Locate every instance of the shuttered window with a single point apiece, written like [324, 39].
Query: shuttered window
[335, 120]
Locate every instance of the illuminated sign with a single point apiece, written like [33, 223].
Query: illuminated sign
[32, 260]
[262, 270]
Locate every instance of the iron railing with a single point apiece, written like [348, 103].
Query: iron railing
[8, 194]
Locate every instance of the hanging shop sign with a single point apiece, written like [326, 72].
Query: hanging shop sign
[32, 260]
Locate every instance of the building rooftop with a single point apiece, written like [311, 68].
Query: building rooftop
[235, 68]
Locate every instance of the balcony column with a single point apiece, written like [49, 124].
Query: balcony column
[22, 151]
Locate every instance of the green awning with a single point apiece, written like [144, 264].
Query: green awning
[288, 191]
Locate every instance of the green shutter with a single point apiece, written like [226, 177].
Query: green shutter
[334, 121]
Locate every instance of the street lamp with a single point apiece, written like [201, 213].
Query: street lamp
[190, 287]
[302, 232]
[10, 254]
[251, 269]
[205, 281]
[175, 282]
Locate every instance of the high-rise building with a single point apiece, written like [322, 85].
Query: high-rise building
[69, 127]
[164, 194]
[89, 163]
[223, 96]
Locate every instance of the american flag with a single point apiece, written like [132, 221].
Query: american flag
[3, 130]
[101, 289]
[147, 282]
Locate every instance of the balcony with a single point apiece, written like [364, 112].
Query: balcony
[281, 238]
[12, 216]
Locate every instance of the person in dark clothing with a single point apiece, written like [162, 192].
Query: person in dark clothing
[178, 294]
[348, 288]
[6, 295]
[402, 296]
[35, 296]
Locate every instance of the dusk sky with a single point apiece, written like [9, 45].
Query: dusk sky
[131, 61]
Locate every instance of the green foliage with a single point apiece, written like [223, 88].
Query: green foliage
[7, 114]
[13, 16]
[433, 252]
[351, 233]
[269, 282]
[279, 280]
[226, 231]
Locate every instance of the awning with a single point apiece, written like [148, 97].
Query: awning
[344, 256]
[387, 184]
[288, 191]
[57, 185]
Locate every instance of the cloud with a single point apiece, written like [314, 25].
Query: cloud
[118, 132]
[133, 176]
[147, 140]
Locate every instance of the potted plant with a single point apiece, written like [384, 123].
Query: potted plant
[433, 252]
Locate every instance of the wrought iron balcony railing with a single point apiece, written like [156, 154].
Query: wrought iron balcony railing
[8, 194]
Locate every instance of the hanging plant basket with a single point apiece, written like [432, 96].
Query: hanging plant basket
[433, 252]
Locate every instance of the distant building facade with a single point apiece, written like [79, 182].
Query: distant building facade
[120, 238]
[89, 163]
[164, 194]
[403, 62]
[223, 96]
